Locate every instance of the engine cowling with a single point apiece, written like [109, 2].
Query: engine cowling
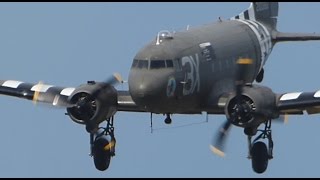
[256, 105]
[101, 102]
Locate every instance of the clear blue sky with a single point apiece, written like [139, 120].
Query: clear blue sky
[67, 44]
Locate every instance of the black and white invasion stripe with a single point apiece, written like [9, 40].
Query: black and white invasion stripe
[57, 96]
[263, 35]
[299, 100]
[264, 38]
[247, 14]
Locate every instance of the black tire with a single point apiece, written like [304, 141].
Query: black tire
[260, 157]
[168, 121]
[101, 157]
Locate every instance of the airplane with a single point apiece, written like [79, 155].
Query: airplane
[215, 68]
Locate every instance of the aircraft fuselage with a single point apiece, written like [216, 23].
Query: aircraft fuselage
[182, 71]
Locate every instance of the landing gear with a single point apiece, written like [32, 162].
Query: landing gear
[168, 119]
[259, 153]
[259, 157]
[102, 146]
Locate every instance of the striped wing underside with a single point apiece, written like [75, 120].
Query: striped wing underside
[298, 102]
[54, 95]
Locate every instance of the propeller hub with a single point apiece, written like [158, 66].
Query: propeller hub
[94, 101]
[241, 112]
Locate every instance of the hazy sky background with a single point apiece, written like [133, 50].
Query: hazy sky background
[67, 44]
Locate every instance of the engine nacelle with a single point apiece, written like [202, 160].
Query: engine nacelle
[257, 105]
[103, 103]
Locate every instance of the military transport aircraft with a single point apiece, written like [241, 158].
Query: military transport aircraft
[214, 68]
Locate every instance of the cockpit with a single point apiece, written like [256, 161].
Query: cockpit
[153, 68]
[158, 54]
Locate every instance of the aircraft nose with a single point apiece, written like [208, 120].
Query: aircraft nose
[146, 89]
[144, 86]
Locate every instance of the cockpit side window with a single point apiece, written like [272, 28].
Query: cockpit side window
[135, 63]
[157, 64]
[169, 63]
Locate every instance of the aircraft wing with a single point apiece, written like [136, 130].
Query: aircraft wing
[287, 103]
[125, 103]
[56, 96]
[297, 103]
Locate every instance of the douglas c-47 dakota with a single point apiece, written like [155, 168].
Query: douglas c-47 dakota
[215, 68]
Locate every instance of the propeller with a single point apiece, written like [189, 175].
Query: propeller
[282, 119]
[242, 69]
[113, 80]
[110, 145]
[217, 147]
[241, 75]
[37, 92]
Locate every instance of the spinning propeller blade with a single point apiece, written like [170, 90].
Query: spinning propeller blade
[241, 74]
[37, 92]
[217, 146]
[282, 119]
[113, 80]
[109, 146]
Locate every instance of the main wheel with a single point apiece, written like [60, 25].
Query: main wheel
[168, 121]
[101, 156]
[260, 157]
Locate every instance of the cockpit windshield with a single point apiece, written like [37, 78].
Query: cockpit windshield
[154, 64]
[157, 64]
[140, 64]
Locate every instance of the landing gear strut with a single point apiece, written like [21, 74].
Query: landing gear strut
[102, 145]
[259, 153]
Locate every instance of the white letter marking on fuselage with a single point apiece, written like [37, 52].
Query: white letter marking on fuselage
[192, 77]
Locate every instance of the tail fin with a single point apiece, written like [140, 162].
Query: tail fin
[267, 13]
[263, 12]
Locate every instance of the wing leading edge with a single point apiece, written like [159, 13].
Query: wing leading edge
[298, 102]
[55, 95]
